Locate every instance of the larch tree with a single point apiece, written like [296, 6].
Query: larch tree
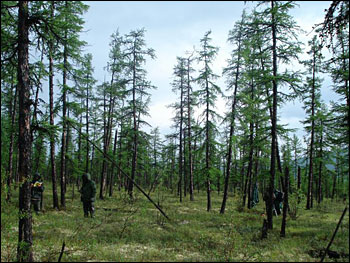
[137, 86]
[232, 71]
[25, 236]
[189, 104]
[114, 91]
[311, 92]
[283, 48]
[72, 24]
[207, 95]
[179, 119]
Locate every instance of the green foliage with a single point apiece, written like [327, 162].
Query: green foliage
[296, 202]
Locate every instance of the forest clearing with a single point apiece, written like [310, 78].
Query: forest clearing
[136, 232]
[175, 131]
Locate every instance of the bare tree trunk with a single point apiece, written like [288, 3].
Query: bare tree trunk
[113, 164]
[319, 188]
[25, 237]
[87, 125]
[52, 136]
[181, 141]
[9, 171]
[190, 159]
[273, 120]
[285, 203]
[64, 130]
[310, 185]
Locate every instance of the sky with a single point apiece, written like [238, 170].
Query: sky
[174, 27]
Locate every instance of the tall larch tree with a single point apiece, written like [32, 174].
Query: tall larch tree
[311, 92]
[70, 14]
[137, 86]
[207, 94]
[232, 71]
[284, 47]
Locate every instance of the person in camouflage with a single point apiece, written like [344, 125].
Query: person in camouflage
[37, 189]
[88, 192]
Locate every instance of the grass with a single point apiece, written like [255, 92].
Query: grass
[136, 231]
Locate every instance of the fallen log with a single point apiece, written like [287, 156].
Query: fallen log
[335, 232]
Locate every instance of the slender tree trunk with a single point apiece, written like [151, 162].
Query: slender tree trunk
[189, 100]
[9, 171]
[185, 162]
[285, 203]
[52, 136]
[232, 128]
[87, 125]
[25, 237]
[181, 140]
[113, 165]
[64, 130]
[336, 174]
[135, 131]
[207, 157]
[120, 155]
[273, 120]
[319, 189]
[250, 165]
[310, 185]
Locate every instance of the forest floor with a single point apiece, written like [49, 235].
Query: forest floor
[136, 231]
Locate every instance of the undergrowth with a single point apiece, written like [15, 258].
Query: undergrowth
[125, 230]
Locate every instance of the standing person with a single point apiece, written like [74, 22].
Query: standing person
[88, 192]
[37, 189]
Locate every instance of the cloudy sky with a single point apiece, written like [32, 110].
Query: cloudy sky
[174, 27]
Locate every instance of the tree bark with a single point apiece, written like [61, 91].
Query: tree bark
[9, 171]
[52, 135]
[25, 237]
[273, 119]
[285, 202]
[87, 125]
[309, 191]
[64, 129]
[181, 140]
[319, 188]
[113, 164]
[190, 159]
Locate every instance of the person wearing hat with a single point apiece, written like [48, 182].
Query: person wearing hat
[37, 189]
[88, 192]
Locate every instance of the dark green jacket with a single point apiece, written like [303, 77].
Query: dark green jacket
[88, 190]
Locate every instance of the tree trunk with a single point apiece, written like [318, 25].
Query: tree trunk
[309, 191]
[232, 128]
[52, 135]
[25, 237]
[135, 131]
[64, 130]
[285, 203]
[207, 139]
[273, 120]
[319, 189]
[181, 141]
[87, 124]
[190, 159]
[9, 171]
[113, 165]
